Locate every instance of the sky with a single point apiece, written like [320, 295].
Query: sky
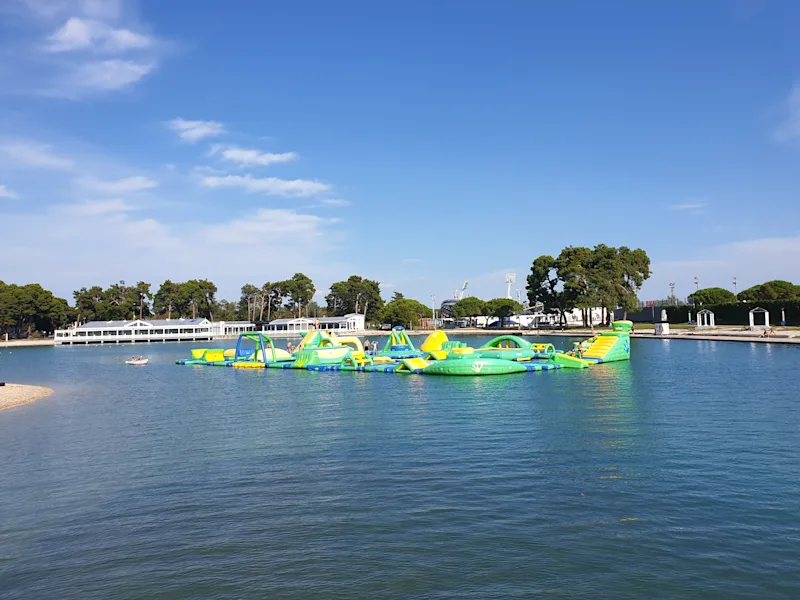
[420, 144]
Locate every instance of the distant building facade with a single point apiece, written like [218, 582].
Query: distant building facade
[150, 330]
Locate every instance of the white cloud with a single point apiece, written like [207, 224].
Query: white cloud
[98, 207]
[193, 131]
[335, 202]
[750, 261]
[250, 157]
[87, 34]
[789, 130]
[127, 185]
[143, 248]
[63, 64]
[101, 75]
[7, 193]
[410, 260]
[107, 10]
[688, 206]
[277, 224]
[272, 186]
[26, 154]
[101, 9]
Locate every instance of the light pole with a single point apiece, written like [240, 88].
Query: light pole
[697, 283]
[734, 285]
[433, 310]
[672, 293]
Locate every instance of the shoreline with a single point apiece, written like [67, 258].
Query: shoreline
[720, 335]
[15, 394]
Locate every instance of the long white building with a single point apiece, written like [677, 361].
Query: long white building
[288, 327]
[156, 330]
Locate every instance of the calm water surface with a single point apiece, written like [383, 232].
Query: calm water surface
[673, 476]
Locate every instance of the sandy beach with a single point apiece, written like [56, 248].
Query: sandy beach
[12, 394]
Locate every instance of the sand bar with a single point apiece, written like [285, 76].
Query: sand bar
[12, 394]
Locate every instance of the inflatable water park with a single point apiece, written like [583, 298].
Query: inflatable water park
[437, 355]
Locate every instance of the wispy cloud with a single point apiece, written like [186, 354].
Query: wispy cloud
[56, 54]
[410, 260]
[272, 186]
[286, 224]
[107, 10]
[688, 206]
[194, 131]
[334, 202]
[138, 246]
[250, 157]
[96, 36]
[100, 76]
[127, 185]
[751, 261]
[98, 207]
[29, 155]
[7, 193]
[789, 130]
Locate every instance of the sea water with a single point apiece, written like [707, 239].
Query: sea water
[675, 475]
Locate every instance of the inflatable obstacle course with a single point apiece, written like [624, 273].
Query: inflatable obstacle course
[437, 355]
[399, 345]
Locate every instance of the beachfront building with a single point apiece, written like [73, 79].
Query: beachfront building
[150, 330]
[348, 323]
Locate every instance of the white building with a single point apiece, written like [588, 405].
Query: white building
[156, 330]
[346, 324]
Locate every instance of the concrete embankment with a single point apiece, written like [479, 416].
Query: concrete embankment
[12, 394]
[23, 343]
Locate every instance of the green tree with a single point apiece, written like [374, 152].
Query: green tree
[356, 295]
[315, 310]
[249, 300]
[227, 310]
[635, 271]
[715, 295]
[503, 308]
[469, 308]
[300, 290]
[405, 312]
[89, 304]
[770, 290]
[166, 301]
[546, 288]
[26, 309]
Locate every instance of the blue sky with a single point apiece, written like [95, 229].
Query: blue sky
[419, 143]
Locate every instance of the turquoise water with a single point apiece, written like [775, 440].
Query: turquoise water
[673, 476]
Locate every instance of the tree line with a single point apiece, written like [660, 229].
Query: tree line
[768, 291]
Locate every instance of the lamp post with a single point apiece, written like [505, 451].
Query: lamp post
[433, 311]
[672, 293]
[734, 285]
[697, 283]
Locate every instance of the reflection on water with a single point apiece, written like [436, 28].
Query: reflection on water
[198, 482]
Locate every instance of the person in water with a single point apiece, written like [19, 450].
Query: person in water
[366, 346]
[289, 347]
